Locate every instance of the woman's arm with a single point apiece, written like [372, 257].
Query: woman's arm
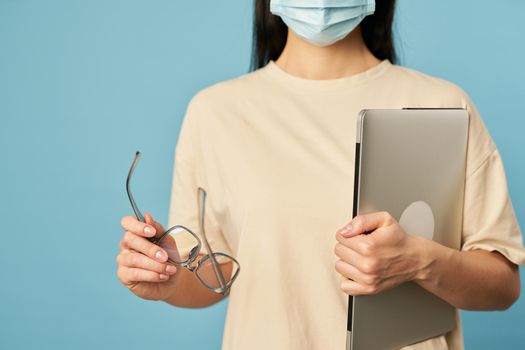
[472, 280]
[143, 268]
[388, 256]
[189, 291]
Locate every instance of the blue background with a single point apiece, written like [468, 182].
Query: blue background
[83, 84]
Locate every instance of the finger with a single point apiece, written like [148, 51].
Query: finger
[351, 272]
[142, 245]
[364, 223]
[354, 288]
[131, 224]
[131, 274]
[352, 257]
[150, 221]
[362, 244]
[133, 259]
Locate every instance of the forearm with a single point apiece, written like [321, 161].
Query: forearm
[472, 280]
[190, 293]
[188, 290]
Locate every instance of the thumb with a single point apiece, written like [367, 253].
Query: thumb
[169, 244]
[366, 223]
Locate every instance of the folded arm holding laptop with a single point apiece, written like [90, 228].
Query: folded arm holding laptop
[388, 256]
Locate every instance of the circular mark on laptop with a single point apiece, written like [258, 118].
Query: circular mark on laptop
[418, 219]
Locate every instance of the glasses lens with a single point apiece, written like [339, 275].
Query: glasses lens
[180, 244]
[209, 275]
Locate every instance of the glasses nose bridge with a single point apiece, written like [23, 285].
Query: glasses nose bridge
[191, 265]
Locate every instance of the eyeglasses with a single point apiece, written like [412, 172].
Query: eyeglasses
[207, 269]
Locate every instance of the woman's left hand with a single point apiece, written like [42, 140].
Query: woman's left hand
[375, 254]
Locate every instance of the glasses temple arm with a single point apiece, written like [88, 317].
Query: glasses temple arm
[215, 264]
[136, 209]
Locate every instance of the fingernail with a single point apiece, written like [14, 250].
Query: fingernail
[347, 230]
[159, 255]
[163, 276]
[149, 231]
[171, 269]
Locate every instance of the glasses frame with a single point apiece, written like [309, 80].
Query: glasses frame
[224, 288]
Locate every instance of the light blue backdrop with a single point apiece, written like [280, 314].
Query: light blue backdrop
[83, 84]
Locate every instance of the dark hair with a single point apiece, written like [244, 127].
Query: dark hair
[270, 32]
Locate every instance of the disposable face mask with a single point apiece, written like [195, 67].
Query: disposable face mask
[322, 22]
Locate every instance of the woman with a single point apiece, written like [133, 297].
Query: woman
[274, 149]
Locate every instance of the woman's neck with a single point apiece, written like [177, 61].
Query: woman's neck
[346, 57]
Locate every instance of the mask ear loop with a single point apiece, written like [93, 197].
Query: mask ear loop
[201, 196]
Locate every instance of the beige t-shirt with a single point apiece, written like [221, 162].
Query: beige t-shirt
[275, 154]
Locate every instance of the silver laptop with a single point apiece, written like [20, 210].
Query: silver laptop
[411, 163]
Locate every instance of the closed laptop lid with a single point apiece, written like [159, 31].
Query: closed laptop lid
[411, 163]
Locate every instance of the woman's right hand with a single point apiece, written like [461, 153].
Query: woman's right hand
[142, 265]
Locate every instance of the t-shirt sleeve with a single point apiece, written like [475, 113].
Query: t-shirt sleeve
[187, 177]
[489, 220]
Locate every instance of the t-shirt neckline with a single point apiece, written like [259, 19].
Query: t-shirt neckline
[324, 85]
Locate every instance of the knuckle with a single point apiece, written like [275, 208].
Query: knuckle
[372, 289]
[152, 250]
[387, 217]
[338, 266]
[134, 260]
[350, 290]
[368, 247]
[135, 275]
[124, 220]
[345, 288]
[371, 279]
[161, 268]
[338, 249]
[120, 275]
[359, 220]
[127, 239]
[370, 266]
[391, 231]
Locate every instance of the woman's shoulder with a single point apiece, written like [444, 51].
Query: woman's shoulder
[444, 93]
[413, 81]
[227, 92]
